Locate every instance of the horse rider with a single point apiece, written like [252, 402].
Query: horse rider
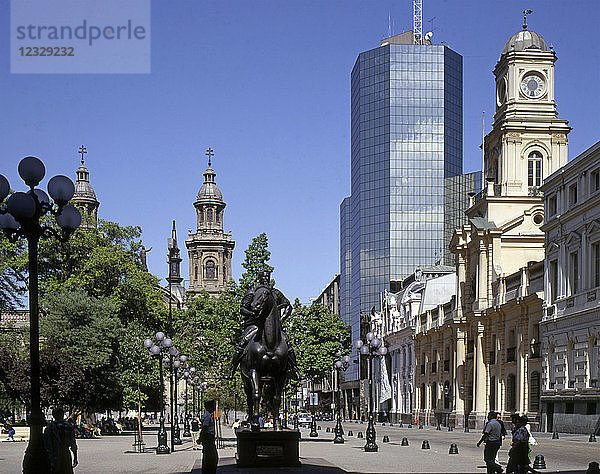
[251, 320]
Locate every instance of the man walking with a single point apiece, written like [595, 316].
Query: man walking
[59, 438]
[210, 456]
[492, 437]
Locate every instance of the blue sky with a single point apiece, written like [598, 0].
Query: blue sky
[266, 84]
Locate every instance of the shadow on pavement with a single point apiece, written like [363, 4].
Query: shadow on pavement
[316, 465]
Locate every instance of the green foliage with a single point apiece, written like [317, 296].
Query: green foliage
[257, 260]
[89, 331]
[317, 335]
[12, 278]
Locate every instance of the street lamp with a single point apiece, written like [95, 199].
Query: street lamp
[20, 217]
[370, 348]
[313, 423]
[187, 374]
[340, 365]
[176, 364]
[163, 343]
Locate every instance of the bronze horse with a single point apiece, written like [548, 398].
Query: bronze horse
[264, 363]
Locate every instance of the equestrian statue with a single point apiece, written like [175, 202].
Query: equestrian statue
[264, 353]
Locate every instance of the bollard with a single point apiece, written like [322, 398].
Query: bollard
[453, 449]
[425, 445]
[540, 462]
[328, 430]
[593, 468]
[350, 433]
[555, 435]
[359, 434]
[592, 438]
[386, 439]
[404, 442]
[319, 427]
[420, 427]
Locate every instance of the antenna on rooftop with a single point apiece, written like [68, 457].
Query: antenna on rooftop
[389, 25]
[418, 21]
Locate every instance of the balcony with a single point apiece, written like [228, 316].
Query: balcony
[536, 350]
[511, 354]
[447, 365]
[492, 357]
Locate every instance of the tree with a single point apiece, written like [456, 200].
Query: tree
[317, 335]
[12, 278]
[89, 331]
[256, 261]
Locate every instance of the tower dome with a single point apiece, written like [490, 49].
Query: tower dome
[85, 197]
[209, 190]
[525, 40]
[83, 188]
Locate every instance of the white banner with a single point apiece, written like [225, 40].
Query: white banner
[386, 390]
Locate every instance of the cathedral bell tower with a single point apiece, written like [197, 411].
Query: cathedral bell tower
[209, 248]
[85, 197]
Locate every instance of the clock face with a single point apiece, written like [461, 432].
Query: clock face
[532, 86]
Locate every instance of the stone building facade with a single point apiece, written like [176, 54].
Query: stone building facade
[209, 248]
[571, 322]
[330, 296]
[422, 290]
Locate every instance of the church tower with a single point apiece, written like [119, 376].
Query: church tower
[85, 197]
[528, 141]
[209, 248]
[174, 280]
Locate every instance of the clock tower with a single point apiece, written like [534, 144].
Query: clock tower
[528, 141]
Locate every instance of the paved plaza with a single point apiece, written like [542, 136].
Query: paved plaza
[569, 454]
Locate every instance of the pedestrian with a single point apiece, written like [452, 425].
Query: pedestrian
[503, 431]
[492, 437]
[11, 431]
[195, 428]
[210, 456]
[59, 441]
[518, 456]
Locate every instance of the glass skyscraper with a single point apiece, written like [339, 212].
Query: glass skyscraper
[406, 146]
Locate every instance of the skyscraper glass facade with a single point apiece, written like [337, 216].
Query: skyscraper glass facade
[406, 139]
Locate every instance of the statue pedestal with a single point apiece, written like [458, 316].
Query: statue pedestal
[267, 448]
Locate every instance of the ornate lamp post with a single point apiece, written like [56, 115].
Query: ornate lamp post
[187, 374]
[340, 365]
[313, 423]
[20, 217]
[370, 348]
[163, 344]
[176, 365]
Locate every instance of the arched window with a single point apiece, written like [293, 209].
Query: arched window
[534, 392]
[209, 215]
[534, 169]
[201, 216]
[511, 393]
[210, 270]
[196, 272]
[423, 396]
[434, 395]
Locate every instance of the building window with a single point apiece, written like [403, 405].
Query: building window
[201, 216]
[209, 215]
[492, 392]
[552, 206]
[574, 272]
[595, 180]
[511, 393]
[196, 272]
[534, 392]
[596, 264]
[210, 270]
[553, 269]
[423, 396]
[573, 194]
[534, 169]
[569, 408]
[434, 396]
[447, 396]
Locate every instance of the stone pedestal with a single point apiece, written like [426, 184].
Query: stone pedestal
[267, 448]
